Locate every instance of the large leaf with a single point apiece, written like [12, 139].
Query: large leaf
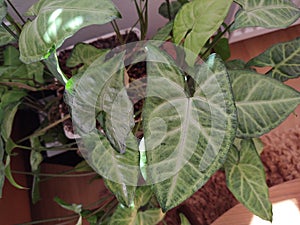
[3, 10]
[266, 13]
[245, 178]
[5, 36]
[262, 102]
[133, 215]
[57, 20]
[197, 21]
[2, 167]
[186, 137]
[284, 58]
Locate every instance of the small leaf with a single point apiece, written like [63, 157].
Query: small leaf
[184, 220]
[222, 48]
[5, 36]
[84, 54]
[163, 33]
[72, 207]
[174, 8]
[2, 167]
[8, 119]
[189, 24]
[53, 65]
[262, 102]
[3, 10]
[186, 137]
[265, 13]
[9, 175]
[245, 178]
[56, 21]
[284, 58]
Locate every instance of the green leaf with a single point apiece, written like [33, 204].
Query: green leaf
[72, 207]
[56, 21]
[245, 178]
[284, 58]
[53, 66]
[265, 13]
[9, 175]
[174, 8]
[196, 22]
[262, 102]
[186, 137]
[258, 144]
[35, 189]
[83, 166]
[11, 96]
[184, 220]
[11, 56]
[235, 64]
[5, 36]
[134, 216]
[3, 10]
[84, 54]
[2, 167]
[222, 48]
[163, 33]
[8, 119]
[35, 160]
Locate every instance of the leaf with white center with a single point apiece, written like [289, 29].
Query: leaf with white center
[3, 10]
[133, 215]
[84, 54]
[245, 178]
[284, 58]
[186, 137]
[5, 36]
[265, 13]
[58, 20]
[262, 102]
[196, 22]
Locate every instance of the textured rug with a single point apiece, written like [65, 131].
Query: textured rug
[281, 158]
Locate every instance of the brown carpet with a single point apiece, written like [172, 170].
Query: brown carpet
[281, 158]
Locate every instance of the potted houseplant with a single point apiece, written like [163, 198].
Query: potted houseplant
[200, 112]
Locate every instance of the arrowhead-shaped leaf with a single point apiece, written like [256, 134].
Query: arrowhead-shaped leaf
[186, 137]
[265, 13]
[196, 22]
[262, 102]
[284, 58]
[245, 177]
[56, 21]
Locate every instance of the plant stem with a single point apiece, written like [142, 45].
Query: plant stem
[45, 129]
[16, 11]
[9, 31]
[54, 175]
[169, 9]
[117, 31]
[58, 219]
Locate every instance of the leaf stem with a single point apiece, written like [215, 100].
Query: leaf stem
[10, 31]
[54, 175]
[117, 31]
[58, 219]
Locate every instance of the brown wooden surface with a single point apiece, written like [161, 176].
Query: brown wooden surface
[279, 194]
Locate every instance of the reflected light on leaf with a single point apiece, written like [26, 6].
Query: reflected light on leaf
[74, 23]
[284, 212]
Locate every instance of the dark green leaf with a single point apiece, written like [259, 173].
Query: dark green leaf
[163, 33]
[11, 56]
[265, 13]
[284, 58]
[174, 8]
[235, 64]
[189, 24]
[246, 179]
[5, 36]
[56, 21]
[262, 102]
[186, 137]
[222, 48]
[72, 207]
[9, 175]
